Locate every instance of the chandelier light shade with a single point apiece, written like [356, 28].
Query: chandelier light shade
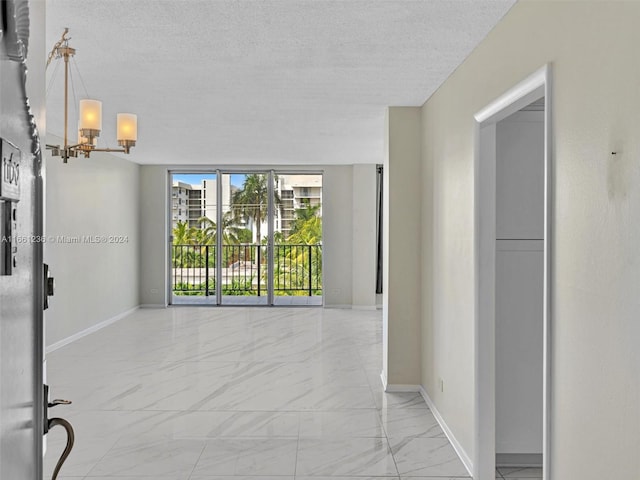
[89, 116]
[127, 128]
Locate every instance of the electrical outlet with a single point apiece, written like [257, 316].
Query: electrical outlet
[154, 290]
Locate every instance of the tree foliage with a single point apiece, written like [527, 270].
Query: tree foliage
[307, 227]
[251, 202]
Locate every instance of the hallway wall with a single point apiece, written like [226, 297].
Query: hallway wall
[596, 230]
[96, 280]
[402, 248]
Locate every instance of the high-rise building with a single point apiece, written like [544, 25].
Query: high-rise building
[180, 200]
[296, 192]
[189, 203]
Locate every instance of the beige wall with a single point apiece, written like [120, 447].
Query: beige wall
[402, 247]
[596, 260]
[94, 281]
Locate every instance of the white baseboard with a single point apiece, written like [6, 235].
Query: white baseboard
[89, 331]
[154, 305]
[352, 307]
[383, 379]
[464, 456]
[397, 388]
[364, 307]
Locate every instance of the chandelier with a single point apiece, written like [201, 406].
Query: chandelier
[89, 116]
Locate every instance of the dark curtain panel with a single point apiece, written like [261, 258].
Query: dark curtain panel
[379, 219]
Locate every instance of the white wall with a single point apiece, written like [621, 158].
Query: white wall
[364, 236]
[154, 235]
[337, 235]
[339, 225]
[595, 409]
[402, 247]
[94, 281]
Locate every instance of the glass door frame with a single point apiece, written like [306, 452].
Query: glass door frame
[219, 172]
[169, 224]
[270, 174]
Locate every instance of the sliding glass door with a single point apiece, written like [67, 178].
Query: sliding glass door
[297, 242]
[246, 238]
[192, 242]
[244, 220]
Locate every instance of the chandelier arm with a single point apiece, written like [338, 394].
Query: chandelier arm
[116, 150]
[54, 50]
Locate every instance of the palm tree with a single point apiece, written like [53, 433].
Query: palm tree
[303, 215]
[208, 228]
[230, 231]
[252, 200]
[183, 234]
[308, 232]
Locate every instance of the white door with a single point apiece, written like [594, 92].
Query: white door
[21, 271]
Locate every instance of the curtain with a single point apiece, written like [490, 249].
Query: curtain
[379, 203]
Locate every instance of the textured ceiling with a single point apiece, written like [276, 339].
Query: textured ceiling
[260, 81]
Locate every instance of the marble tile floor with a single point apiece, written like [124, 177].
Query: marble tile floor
[243, 393]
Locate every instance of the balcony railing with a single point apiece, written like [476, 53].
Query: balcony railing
[297, 269]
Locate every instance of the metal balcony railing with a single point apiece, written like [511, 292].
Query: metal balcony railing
[297, 269]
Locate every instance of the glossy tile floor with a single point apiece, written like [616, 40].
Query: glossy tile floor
[197, 393]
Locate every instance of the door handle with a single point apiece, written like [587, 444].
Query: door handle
[49, 423]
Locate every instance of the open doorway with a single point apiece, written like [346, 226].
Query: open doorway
[246, 238]
[519, 288]
[513, 192]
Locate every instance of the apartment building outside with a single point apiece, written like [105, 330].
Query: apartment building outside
[189, 203]
[180, 201]
[296, 192]
[192, 202]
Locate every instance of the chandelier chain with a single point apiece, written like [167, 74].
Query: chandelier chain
[53, 77]
[55, 51]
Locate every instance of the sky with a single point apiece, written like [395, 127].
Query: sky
[237, 179]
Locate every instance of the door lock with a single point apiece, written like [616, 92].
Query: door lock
[49, 285]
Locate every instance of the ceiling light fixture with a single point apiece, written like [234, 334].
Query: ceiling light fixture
[90, 116]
